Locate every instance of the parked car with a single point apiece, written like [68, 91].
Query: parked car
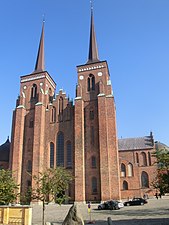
[112, 204]
[120, 204]
[135, 201]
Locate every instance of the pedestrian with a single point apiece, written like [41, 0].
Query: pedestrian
[156, 195]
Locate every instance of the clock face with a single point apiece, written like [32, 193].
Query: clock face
[100, 74]
[24, 87]
[81, 77]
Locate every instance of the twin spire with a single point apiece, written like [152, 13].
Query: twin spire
[93, 51]
[40, 61]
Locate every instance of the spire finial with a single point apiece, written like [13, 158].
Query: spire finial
[91, 5]
[43, 18]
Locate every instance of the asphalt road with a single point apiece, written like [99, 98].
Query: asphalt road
[156, 212]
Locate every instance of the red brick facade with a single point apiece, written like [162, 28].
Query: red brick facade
[49, 131]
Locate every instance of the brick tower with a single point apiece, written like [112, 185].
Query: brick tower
[96, 148]
[42, 131]
[49, 131]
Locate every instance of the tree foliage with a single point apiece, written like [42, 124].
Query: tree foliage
[51, 185]
[161, 181]
[8, 187]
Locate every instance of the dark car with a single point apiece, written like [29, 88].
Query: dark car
[109, 205]
[135, 201]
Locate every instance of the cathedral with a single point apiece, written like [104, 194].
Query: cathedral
[49, 130]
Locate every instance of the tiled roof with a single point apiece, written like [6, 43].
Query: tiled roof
[135, 143]
[4, 151]
[159, 145]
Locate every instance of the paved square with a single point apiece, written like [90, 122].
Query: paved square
[156, 212]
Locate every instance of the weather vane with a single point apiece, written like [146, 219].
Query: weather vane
[43, 17]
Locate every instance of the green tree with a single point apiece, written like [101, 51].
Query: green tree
[51, 186]
[161, 181]
[8, 187]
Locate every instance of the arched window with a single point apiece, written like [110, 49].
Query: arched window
[94, 185]
[130, 170]
[137, 158]
[50, 95]
[93, 162]
[91, 83]
[125, 185]
[149, 158]
[31, 123]
[61, 105]
[123, 170]
[29, 166]
[34, 91]
[144, 180]
[51, 154]
[88, 84]
[60, 149]
[69, 154]
[144, 159]
[53, 115]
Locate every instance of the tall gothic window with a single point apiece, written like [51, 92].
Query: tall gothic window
[123, 170]
[61, 105]
[60, 109]
[29, 166]
[137, 158]
[53, 115]
[130, 170]
[94, 185]
[88, 84]
[144, 159]
[91, 114]
[144, 180]
[69, 154]
[34, 91]
[91, 82]
[60, 150]
[93, 162]
[125, 185]
[51, 154]
[149, 158]
[31, 123]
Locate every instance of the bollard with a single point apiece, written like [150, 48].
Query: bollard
[109, 221]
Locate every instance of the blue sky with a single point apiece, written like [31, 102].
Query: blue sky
[132, 35]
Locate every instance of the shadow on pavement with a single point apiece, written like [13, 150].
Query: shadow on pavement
[162, 221]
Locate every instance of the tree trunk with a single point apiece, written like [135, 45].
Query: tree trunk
[43, 213]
